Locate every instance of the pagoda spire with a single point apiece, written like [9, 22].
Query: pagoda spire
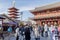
[13, 3]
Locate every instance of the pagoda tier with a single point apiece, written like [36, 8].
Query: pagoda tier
[13, 12]
[14, 17]
[13, 8]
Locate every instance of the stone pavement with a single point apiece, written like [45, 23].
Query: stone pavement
[12, 37]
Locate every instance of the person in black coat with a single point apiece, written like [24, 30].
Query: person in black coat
[27, 34]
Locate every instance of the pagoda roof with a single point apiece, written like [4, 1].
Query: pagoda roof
[13, 8]
[14, 17]
[13, 14]
[8, 18]
[13, 11]
[45, 7]
[2, 17]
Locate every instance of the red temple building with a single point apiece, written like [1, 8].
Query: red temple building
[13, 12]
[47, 14]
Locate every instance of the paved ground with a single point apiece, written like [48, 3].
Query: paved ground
[12, 37]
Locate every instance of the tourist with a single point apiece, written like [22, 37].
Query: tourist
[59, 31]
[38, 29]
[56, 33]
[51, 32]
[22, 29]
[17, 33]
[46, 30]
[59, 28]
[1, 32]
[31, 29]
[27, 34]
[36, 32]
[42, 31]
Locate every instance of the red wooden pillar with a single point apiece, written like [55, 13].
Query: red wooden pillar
[52, 23]
[59, 26]
[58, 22]
[45, 22]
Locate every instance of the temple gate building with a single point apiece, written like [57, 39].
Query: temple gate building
[48, 14]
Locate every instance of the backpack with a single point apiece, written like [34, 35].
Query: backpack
[22, 30]
[9, 29]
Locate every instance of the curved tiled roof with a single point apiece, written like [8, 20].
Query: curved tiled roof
[54, 5]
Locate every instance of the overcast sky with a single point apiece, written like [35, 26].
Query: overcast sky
[24, 6]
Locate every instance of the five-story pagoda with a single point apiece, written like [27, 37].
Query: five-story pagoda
[13, 12]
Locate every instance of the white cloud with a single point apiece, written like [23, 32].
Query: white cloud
[26, 8]
[1, 6]
[3, 12]
[3, 9]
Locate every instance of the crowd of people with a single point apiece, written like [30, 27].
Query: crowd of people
[38, 31]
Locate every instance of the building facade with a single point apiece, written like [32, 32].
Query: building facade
[48, 14]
